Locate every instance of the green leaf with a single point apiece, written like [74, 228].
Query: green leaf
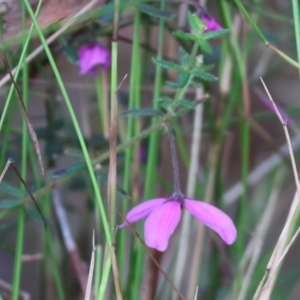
[10, 203]
[74, 152]
[155, 12]
[195, 23]
[184, 57]
[34, 214]
[70, 51]
[9, 250]
[185, 35]
[205, 46]
[75, 168]
[182, 79]
[215, 34]
[167, 64]
[204, 75]
[187, 103]
[142, 112]
[164, 102]
[171, 85]
[10, 190]
[104, 178]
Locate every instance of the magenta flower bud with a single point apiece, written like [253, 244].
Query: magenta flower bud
[163, 216]
[211, 23]
[91, 56]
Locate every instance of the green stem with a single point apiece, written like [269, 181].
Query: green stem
[100, 99]
[21, 214]
[295, 4]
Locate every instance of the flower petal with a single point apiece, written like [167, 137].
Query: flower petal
[213, 218]
[160, 224]
[91, 56]
[143, 210]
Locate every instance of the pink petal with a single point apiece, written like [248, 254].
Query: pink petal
[211, 23]
[213, 218]
[91, 56]
[143, 210]
[160, 224]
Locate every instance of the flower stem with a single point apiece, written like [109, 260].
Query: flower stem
[176, 182]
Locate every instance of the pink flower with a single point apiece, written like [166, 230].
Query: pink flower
[91, 56]
[163, 215]
[211, 23]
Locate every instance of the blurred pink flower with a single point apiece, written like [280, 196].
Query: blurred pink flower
[211, 23]
[163, 215]
[91, 56]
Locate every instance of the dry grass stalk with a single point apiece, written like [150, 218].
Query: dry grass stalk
[77, 263]
[255, 245]
[112, 186]
[9, 161]
[88, 292]
[196, 294]
[265, 287]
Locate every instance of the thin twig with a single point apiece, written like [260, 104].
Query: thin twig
[30, 194]
[32, 133]
[286, 132]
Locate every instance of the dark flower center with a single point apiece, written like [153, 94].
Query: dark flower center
[178, 197]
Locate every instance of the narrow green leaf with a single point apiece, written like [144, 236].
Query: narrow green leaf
[10, 190]
[75, 168]
[182, 79]
[187, 103]
[142, 112]
[34, 214]
[167, 64]
[155, 12]
[74, 152]
[164, 102]
[184, 57]
[104, 178]
[171, 85]
[215, 34]
[205, 46]
[9, 203]
[204, 75]
[195, 23]
[185, 35]
[70, 52]
[9, 250]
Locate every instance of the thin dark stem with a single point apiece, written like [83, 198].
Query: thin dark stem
[174, 162]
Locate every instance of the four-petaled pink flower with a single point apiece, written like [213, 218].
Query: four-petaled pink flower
[211, 23]
[163, 215]
[93, 55]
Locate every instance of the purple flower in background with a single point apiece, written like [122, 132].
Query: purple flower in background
[163, 215]
[91, 56]
[211, 23]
